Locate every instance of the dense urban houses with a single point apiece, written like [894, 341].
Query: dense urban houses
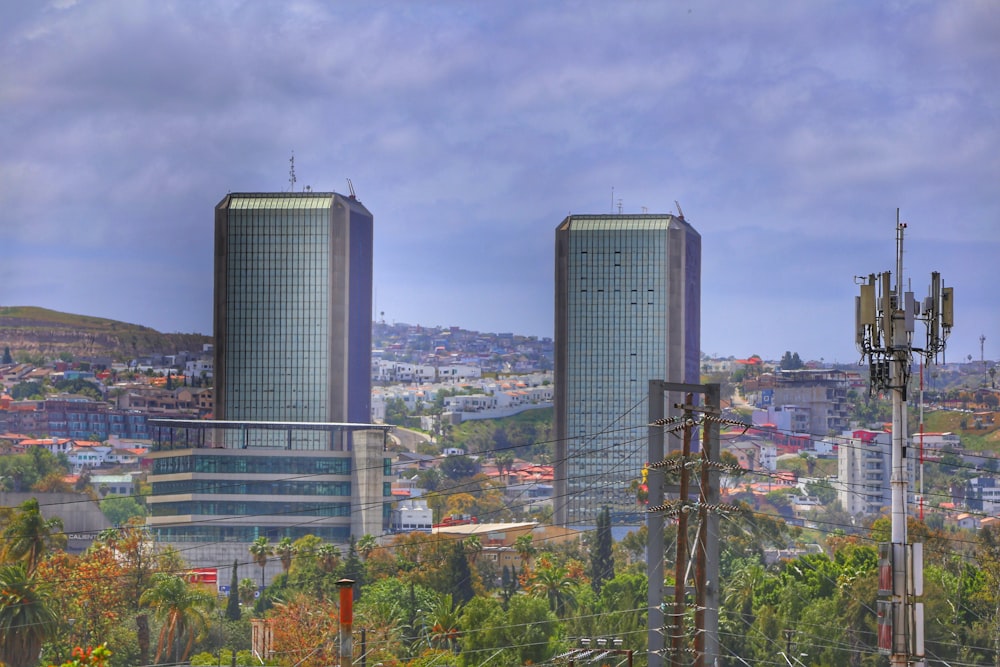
[288, 453]
[627, 303]
[815, 400]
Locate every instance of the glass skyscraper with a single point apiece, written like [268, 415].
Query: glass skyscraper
[293, 300]
[628, 292]
[289, 452]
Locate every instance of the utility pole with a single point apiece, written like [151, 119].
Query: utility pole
[884, 334]
[686, 416]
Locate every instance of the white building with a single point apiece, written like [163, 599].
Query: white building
[412, 516]
[864, 470]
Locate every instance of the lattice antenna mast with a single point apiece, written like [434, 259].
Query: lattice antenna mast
[884, 329]
[291, 173]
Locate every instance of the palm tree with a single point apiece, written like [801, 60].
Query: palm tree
[28, 535]
[366, 545]
[181, 608]
[247, 590]
[554, 583]
[27, 617]
[285, 551]
[261, 549]
[329, 558]
[473, 547]
[443, 621]
[525, 548]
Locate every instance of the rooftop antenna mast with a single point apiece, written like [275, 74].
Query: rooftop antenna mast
[350, 188]
[680, 213]
[291, 173]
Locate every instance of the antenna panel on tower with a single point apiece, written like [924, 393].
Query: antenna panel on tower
[947, 307]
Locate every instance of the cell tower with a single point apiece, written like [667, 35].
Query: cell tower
[885, 319]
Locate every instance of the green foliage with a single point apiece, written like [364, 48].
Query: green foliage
[790, 361]
[823, 490]
[31, 391]
[602, 564]
[119, 509]
[28, 536]
[27, 616]
[224, 658]
[7, 359]
[233, 602]
[458, 467]
[396, 412]
[461, 574]
[524, 634]
[527, 435]
[79, 386]
[21, 472]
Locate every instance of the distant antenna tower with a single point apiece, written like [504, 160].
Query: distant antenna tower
[619, 206]
[612, 199]
[291, 173]
[350, 188]
[884, 334]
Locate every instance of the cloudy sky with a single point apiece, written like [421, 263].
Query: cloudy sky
[789, 132]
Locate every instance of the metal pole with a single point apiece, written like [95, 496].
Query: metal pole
[706, 640]
[346, 587]
[898, 378]
[677, 639]
[654, 526]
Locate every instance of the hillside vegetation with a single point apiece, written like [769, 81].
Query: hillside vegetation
[37, 333]
[985, 439]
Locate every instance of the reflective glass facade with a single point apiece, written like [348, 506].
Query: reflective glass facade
[627, 295]
[293, 312]
[292, 319]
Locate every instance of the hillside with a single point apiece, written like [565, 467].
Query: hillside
[35, 333]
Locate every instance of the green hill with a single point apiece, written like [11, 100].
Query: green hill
[37, 333]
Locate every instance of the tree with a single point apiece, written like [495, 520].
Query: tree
[247, 591]
[133, 548]
[27, 618]
[791, 361]
[443, 620]
[353, 568]
[458, 467]
[119, 509]
[460, 574]
[554, 583]
[261, 550]
[233, 603]
[473, 547]
[181, 610]
[525, 548]
[304, 629]
[285, 551]
[366, 545]
[91, 590]
[602, 564]
[7, 359]
[396, 412]
[28, 535]
[328, 557]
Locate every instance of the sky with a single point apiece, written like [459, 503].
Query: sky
[789, 132]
